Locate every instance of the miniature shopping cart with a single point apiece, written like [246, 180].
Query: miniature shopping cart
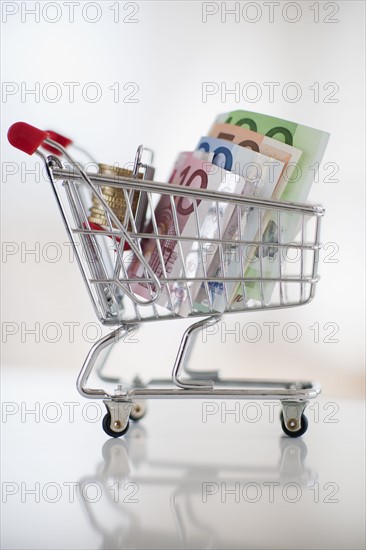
[104, 254]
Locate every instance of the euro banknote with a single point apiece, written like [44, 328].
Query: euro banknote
[254, 167]
[260, 143]
[263, 177]
[187, 258]
[312, 142]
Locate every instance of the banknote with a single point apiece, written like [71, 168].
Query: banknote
[262, 175]
[187, 258]
[254, 167]
[260, 143]
[312, 143]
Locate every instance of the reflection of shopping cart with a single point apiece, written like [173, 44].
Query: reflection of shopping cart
[128, 469]
[104, 256]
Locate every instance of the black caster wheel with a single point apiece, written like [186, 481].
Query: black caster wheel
[138, 411]
[109, 431]
[296, 433]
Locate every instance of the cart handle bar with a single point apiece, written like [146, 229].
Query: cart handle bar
[59, 138]
[28, 139]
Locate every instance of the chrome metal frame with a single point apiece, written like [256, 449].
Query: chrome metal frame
[109, 294]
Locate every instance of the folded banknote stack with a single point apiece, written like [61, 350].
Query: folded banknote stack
[245, 153]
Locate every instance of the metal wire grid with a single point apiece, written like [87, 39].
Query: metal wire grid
[106, 265]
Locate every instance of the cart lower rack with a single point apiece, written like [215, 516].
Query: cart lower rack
[126, 285]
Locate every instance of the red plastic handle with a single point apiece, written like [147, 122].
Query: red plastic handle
[62, 140]
[25, 137]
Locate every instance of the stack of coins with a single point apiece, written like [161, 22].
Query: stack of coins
[114, 197]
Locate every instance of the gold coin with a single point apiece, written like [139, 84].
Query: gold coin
[114, 197]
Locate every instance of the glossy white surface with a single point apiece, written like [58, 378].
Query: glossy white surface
[170, 54]
[288, 493]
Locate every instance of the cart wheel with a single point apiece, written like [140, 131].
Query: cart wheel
[109, 431]
[138, 410]
[297, 433]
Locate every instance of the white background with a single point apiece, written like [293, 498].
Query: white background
[169, 53]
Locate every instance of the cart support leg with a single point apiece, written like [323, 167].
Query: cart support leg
[92, 358]
[184, 348]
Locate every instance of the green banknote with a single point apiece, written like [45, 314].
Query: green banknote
[312, 143]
